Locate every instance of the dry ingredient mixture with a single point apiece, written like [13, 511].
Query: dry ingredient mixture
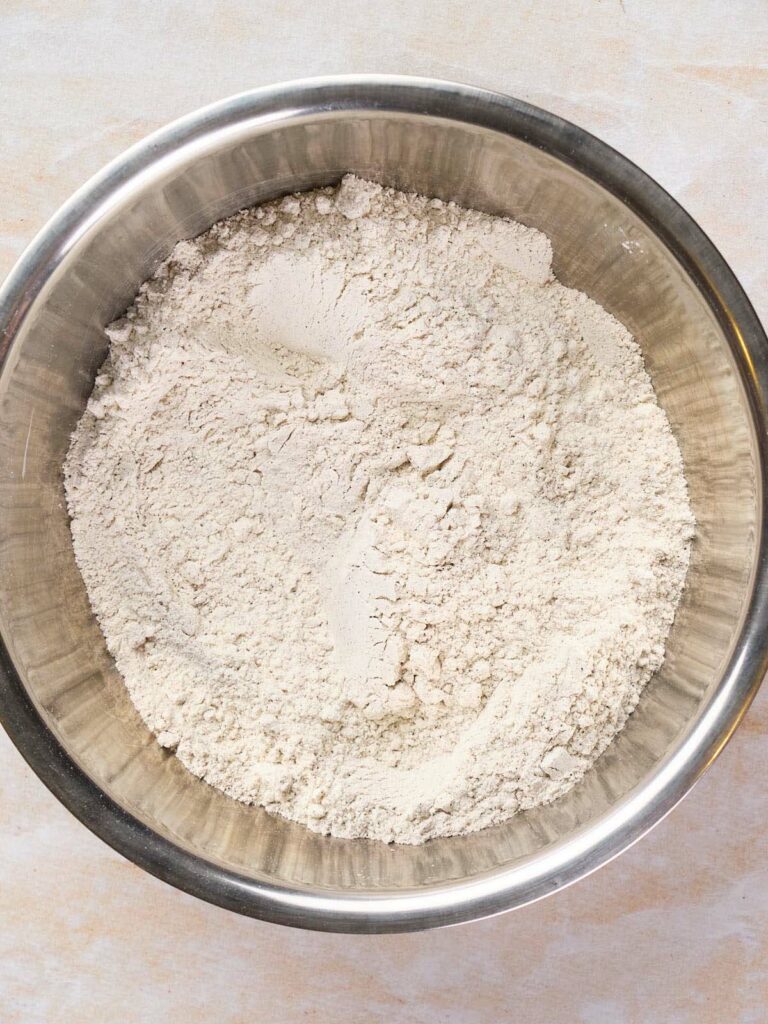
[383, 526]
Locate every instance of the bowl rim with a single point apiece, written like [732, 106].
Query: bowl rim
[638, 811]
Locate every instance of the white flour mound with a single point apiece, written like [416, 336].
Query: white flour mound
[384, 527]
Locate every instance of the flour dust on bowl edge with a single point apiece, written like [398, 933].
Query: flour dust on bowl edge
[616, 236]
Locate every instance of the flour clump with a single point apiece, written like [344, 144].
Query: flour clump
[383, 526]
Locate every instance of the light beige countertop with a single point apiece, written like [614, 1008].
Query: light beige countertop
[675, 930]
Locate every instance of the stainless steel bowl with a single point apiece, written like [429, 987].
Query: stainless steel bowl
[617, 236]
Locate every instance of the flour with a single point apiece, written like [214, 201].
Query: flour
[383, 526]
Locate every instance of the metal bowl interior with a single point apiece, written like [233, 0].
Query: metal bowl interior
[617, 236]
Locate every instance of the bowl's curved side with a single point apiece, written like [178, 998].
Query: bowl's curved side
[587, 847]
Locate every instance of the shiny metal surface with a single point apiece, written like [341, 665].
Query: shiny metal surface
[617, 236]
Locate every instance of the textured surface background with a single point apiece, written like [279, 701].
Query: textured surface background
[676, 930]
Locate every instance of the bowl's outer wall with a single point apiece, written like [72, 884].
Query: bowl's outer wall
[617, 236]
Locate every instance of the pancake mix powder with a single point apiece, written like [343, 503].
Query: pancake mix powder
[384, 527]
